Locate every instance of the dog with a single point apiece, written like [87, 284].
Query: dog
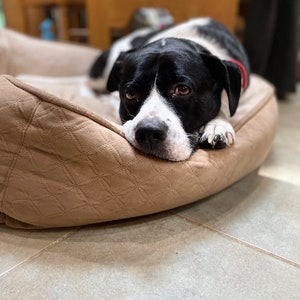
[178, 87]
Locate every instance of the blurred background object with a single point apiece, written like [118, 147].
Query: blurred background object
[47, 27]
[156, 18]
[2, 19]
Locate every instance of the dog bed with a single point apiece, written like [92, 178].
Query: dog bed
[62, 164]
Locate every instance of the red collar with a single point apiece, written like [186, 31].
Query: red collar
[243, 72]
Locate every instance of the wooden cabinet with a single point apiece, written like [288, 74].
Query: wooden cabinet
[102, 15]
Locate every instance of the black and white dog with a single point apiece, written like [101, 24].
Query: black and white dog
[179, 89]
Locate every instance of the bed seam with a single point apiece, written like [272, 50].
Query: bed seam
[57, 101]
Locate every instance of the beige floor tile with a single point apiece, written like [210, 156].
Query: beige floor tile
[283, 163]
[19, 245]
[160, 257]
[289, 111]
[288, 136]
[258, 210]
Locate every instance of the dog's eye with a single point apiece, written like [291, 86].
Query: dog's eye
[182, 90]
[130, 94]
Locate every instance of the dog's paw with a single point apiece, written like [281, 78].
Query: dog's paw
[216, 134]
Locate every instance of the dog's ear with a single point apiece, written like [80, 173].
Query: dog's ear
[99, 65]
[229, 75]
[114, 77]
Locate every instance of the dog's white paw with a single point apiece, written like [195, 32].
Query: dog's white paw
[218, 134]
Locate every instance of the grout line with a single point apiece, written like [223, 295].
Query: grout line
[241, 242]
[40, 252]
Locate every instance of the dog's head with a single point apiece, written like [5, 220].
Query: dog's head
[168, 90]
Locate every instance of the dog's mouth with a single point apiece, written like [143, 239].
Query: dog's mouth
[156, 138]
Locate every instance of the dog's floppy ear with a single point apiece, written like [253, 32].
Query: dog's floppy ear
[99, 65]
[115, 74]
[229, 75]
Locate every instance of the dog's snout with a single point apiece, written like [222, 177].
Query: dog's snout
[150, 133]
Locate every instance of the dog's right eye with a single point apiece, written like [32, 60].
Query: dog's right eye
[130, 94]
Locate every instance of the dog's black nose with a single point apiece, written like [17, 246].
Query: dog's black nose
[150, 133]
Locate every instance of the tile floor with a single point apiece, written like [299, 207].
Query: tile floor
[243, 243]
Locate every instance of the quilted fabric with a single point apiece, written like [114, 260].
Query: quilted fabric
[62, 165]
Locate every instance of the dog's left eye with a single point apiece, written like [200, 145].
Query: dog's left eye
[130, 94]
[182, 90]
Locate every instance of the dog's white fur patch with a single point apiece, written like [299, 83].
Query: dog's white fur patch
[176, 147]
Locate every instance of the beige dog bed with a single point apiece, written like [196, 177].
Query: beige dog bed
[62, 164]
